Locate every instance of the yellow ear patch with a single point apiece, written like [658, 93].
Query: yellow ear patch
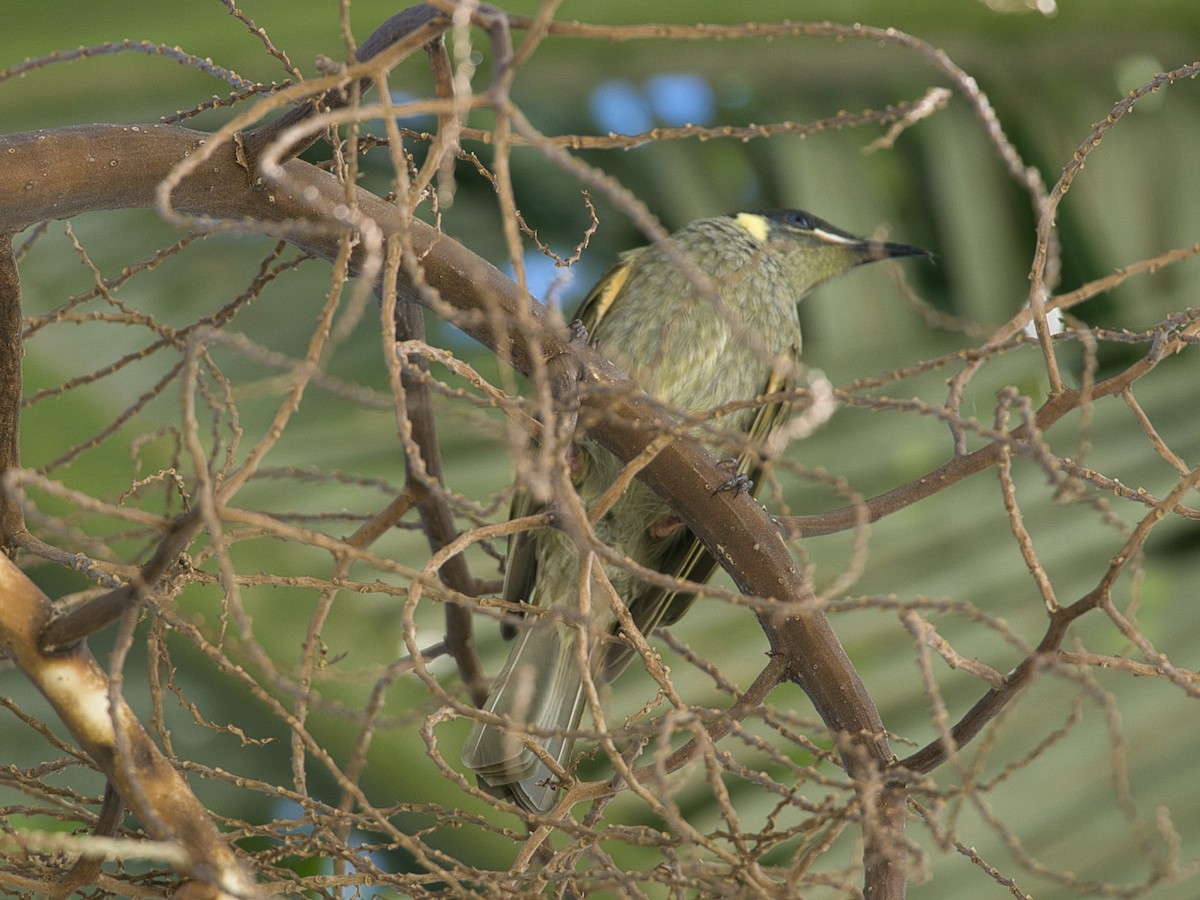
[754, 224]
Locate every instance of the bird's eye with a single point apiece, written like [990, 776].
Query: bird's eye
[799, 220]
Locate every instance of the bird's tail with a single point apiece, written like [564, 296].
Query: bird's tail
[541, 684]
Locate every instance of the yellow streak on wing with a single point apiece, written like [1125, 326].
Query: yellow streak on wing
[603, 295]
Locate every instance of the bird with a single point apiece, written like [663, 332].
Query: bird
[700, 321]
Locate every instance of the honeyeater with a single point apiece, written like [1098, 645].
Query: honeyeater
[697, 345]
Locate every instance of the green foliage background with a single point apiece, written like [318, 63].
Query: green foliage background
[1050, 79]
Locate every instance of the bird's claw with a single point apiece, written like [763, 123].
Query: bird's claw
[737, 481]
[578, 331]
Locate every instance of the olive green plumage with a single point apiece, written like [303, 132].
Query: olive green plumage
[696, 349]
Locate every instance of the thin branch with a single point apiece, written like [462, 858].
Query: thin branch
[68, 630]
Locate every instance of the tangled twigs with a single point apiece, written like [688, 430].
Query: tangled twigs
[210, 180]
[245, 178]
[65, 631]
[772, 675]
[79, 691]
[990, 705]
[406, 31]
[87, 868]
[965, 465]
[415, 27]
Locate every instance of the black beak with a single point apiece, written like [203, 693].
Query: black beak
[872, 251]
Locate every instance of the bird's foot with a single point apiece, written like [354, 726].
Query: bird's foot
[578, 331]
[737, 481]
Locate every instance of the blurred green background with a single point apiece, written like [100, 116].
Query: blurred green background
[1049, 77]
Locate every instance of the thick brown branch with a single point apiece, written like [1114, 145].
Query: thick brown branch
[11, 520]
[406, 31]
[423, 477]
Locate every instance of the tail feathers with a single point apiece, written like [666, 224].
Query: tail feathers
[541, 685]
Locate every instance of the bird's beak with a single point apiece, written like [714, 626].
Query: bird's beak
[870, 251]
[865, 250]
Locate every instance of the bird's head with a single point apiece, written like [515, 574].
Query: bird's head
[815, 250]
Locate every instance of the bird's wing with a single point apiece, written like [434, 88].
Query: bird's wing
[520, 569]
[600, 299]
[520, 563]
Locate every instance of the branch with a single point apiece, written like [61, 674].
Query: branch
[1049, 649]
[78, 690]
[12, 521]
